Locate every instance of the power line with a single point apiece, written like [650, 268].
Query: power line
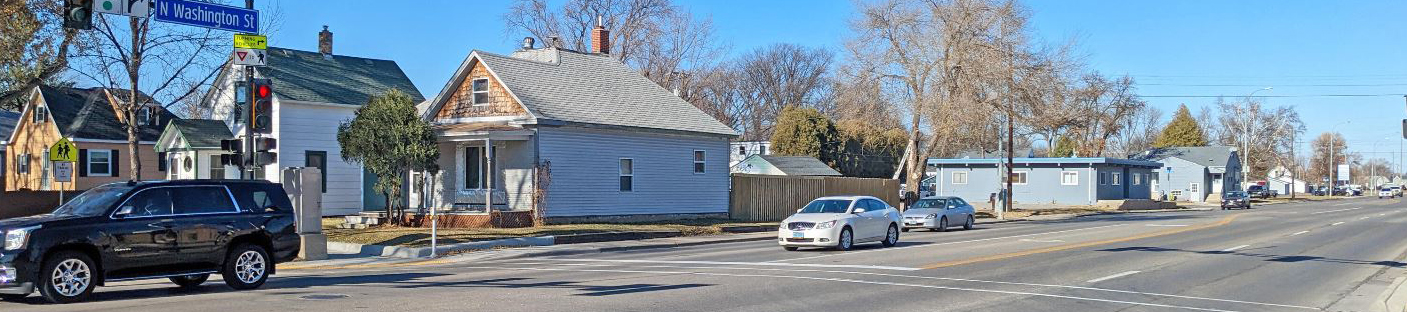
[1274, 84]
[1273, 96]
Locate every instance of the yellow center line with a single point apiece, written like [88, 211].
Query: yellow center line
[945, 264]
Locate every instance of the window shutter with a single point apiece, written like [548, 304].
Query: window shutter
[82, 162]
[112, 161]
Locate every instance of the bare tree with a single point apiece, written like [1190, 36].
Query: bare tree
[1108, 107]
[1142, 129]
[34, 47]
[777, 76]
[1259, 133]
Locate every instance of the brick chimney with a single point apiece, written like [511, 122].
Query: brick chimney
[600, 38]
[325, 41]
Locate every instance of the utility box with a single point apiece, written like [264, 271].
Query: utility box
[304, 187]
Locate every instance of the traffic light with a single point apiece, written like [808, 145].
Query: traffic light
[262, 116]
[262, 154]
[78, 14]
[234, 157]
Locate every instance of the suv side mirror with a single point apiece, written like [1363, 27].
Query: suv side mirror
[123, 212]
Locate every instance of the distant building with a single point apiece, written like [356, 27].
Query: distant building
[737, 151]
[1061, 181]
[1280, 180]
[784, 165]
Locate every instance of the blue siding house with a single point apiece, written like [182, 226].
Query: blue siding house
[1045, 181]
[571, 136]
[1195, 173]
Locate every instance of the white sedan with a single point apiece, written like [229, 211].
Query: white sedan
[840, 222]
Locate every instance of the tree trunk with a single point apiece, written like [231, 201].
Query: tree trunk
[134, 66]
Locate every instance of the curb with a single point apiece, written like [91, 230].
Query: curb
[1394, 299]
[422, 252]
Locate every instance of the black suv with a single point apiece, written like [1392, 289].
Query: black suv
[182, 230]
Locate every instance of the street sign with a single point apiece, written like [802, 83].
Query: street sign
[1343, 172]
[247, 41]
[62, 151]
[137, 8]
[63, 172]
[253, 57]
[200, 14]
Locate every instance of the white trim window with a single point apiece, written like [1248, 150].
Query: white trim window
[960, 177]
[1103, 178]
[475, 165]
[144, 116]
[1069, 178]
[700, 163]
[1115, 177]
[1019, 177]
[480, 91]
[99, 163]
[1137, 179]
[627, 175]
[41, 114]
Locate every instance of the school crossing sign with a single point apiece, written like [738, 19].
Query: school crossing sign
[63, 151]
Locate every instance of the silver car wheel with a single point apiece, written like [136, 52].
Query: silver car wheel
[893, 236]
[250, 267]
[845, 239]
[71, 277]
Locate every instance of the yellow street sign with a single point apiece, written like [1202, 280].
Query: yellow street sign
[63, 151]
[243, 41]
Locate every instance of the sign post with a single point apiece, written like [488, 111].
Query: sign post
[63, 154]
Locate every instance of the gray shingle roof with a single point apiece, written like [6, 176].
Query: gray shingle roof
[310, 77]
[1209, 156]
[800, 165]
[593, 89]
[202, 133]
[86, 114]
[8, 119]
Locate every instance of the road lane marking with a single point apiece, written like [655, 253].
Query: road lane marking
[1298, 233]
[1336, 223]
[852, 266]
[844, 280]
[1113, 276]
[1364, 218]
[1168, 225]
[1235, 248]
[519, 264]
[942, 244]
[1223, 221]
[1343, 204]
[1354, 208]
[1042, 241]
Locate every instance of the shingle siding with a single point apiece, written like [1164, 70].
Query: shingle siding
[585, 172]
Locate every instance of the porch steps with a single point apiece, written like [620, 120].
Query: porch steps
[362, 220]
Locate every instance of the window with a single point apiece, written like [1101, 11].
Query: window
[475, 164]
[99, 163]
[317, 159]
[161, 162]
[217, 170]
[1195, 188]
[959, 202]
[22, 163]
[481, 91]
[201, 199]
[149, 202]
[960, 178]
[1069, 178]
[742, 150]
[627, 174]
[144, 116]
[1137, 179]
[1175, 193]
[41, 114]
[260, 197]
[1018, 177]
[1115, 178]
[699, 164]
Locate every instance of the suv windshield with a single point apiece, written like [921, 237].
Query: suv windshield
[93, 202]
[827, 206]
[931, 203]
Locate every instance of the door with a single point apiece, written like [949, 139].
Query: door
[317, 159]
[144, 238]
[1196, 190]
[878, 215]
[205, 218]
[963, 211]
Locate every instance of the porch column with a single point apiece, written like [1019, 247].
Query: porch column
[488, 175]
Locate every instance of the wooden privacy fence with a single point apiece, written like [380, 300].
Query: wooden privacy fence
[773, 198]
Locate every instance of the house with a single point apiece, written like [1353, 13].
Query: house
[1196, 174]
[784, 165]
[576, 135]
[89, 119]
[1281, 181]
[740, 150]
[8, 119]
[192, 148]
[313, 92]
[1045, 181]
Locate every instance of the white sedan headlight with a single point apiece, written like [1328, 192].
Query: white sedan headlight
[15, 239]
[825, 225]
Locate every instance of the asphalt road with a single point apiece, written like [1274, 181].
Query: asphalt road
[1326, 256]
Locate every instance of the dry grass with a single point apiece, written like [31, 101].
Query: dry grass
[1022, 213]
[418, 237]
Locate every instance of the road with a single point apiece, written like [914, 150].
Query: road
[1325, 256]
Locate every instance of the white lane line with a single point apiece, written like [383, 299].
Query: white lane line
[1042, 241]
[1336, 223]
[520, 264]
[1364, 218]
[843, 280]
[941, 244]
[1354, 208]
[1343, 204]
[1235, 248]
[1298, 233]
[1112, 276]
[851, 266]
[1172, 225]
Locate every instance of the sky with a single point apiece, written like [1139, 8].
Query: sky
[1301, 49]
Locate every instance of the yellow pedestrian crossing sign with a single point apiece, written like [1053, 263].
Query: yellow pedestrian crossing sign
[64, 150]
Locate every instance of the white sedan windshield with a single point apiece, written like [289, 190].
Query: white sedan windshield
[827, 206]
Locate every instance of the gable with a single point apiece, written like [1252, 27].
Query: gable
[460, 103]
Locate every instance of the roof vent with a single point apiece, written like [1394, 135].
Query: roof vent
[527, 43]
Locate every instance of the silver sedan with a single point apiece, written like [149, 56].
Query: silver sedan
[937, 213]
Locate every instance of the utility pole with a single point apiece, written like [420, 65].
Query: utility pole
[249, 161]
[1010, 162]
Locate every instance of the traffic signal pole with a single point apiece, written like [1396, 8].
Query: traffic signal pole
[247, 171]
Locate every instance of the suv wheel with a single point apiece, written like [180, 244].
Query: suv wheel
[67, 277]
[246, 267]
[190, 281]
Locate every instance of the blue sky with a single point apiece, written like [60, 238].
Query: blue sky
[1296, 47]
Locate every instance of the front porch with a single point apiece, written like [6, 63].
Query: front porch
[486, 179]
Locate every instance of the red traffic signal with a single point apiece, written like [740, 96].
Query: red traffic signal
[261, 115]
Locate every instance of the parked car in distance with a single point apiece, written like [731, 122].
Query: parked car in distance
[1396, 190]
[938, 213]
[1258, 191]
[1235, 199]
[182, 230]
[840, 222]
[1386, 193]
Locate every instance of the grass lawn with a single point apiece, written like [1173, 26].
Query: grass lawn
[419, 237]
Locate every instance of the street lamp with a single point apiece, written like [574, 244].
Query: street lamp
[1246, 141]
